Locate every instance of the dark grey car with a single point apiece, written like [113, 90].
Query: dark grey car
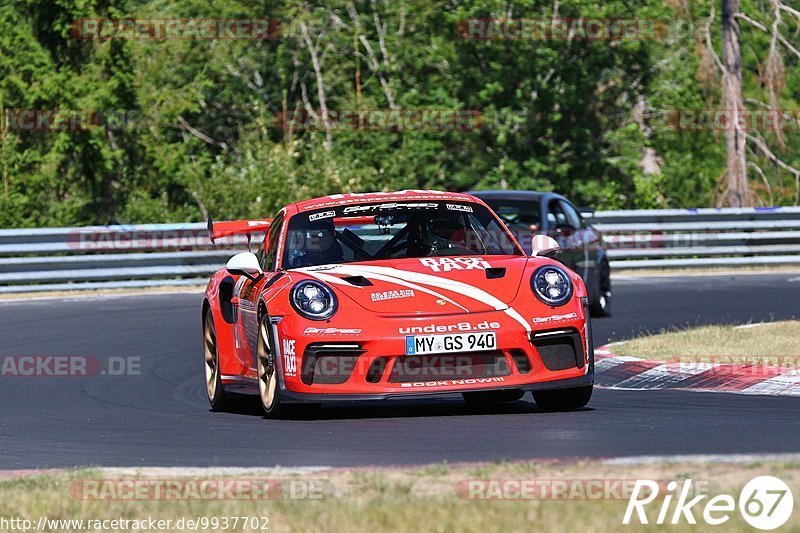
[527, 213]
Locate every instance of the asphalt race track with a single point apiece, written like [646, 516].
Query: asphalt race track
[161, 417]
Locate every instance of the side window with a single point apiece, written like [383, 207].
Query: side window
[574, 219]
[260, 252]
[272, 244]
[556, 215]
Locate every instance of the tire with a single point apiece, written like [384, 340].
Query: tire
[563, 399]
[215, 392]
[601, 306]
[268, 386]
[492, 396]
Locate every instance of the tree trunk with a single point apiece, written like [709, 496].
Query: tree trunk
[737, 193]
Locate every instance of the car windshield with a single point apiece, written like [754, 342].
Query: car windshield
[522, 217]
[369, 232]
[517, 214]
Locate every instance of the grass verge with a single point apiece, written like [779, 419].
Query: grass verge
[768, 343]
[412, 499]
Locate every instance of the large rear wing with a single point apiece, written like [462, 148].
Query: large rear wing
[229, 228]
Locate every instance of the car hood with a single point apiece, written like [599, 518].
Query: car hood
[425, 286]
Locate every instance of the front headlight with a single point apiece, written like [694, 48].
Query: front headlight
[314, 300]
[551, 285]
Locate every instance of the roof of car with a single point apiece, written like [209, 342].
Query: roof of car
[336, 200]
[504, 194]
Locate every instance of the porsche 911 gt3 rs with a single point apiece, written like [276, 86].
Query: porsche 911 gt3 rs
[381, 295]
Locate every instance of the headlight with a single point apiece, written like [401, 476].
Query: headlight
[314, 300]
[551, 285]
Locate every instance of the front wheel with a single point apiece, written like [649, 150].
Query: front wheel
[492, 396]
[563, 399]
[268, 389]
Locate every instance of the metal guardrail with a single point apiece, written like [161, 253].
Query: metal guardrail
[98, 257]
[48, 259]
[699, 238]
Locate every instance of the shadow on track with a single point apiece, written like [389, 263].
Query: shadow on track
[411, 408]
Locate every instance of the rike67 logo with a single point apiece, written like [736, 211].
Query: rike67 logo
[765, 503]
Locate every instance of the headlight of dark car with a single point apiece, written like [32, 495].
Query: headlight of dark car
[314, 300]
[551, 285]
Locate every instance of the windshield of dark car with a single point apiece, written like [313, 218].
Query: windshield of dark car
[517, 214]
[393, 230]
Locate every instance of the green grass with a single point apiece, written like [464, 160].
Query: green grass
[773, 343]
[403, 500]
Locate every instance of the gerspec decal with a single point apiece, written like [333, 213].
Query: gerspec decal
[391, 295]
[319, 216]
[554, 318]
[450, 382]
[446, 264]
[322, 268]
[459, 207]
[394, 205]
[331, 331]
[289, 357]
[461, 326]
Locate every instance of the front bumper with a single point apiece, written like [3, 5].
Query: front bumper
[296, 397]
[524, 360]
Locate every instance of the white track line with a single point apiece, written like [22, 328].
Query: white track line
[740, 458]
[191, 471]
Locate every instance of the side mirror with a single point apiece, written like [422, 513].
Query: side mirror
[544, 246]
[244, 264]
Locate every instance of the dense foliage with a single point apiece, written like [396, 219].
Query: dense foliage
[588, 118]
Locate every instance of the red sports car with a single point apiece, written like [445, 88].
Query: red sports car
[404, 294]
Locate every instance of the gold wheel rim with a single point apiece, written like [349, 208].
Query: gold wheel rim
[266, 369]
[211, 356]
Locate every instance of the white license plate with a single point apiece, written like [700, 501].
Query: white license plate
[451, 343]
